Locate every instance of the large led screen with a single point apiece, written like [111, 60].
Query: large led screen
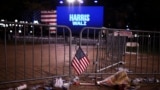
[77, 17]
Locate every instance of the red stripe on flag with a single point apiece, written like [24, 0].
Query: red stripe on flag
[76, 66]
[80, 62]
[49, 17]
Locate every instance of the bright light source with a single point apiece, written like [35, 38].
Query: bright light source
[6, 25]
[80, 1]
[149, 35]
[2, 20]
[10, 31]
[1, 24]
[21, 21]
[20, 31]
[127, 27]
[20, 25]
[95, 1]
[35, 22]
[10, 25]
[16, 20]
[70, 1]
[135, 35]
[61, 2]
[31, 31]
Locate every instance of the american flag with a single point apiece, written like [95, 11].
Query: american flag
[80, 61]
[49, 17]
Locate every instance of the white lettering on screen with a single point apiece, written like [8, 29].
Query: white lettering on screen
[79, 19]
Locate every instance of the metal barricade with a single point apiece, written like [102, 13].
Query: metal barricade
[143, 55]
[103, 48]
[106, 49]
[29, 52]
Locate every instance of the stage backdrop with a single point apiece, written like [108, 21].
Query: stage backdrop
[77, 17]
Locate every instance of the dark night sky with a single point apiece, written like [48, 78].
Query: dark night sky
[117, 13]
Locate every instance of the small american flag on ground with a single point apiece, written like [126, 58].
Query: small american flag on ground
[80, 61]
[49, 17]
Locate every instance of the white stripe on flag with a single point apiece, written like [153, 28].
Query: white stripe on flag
[46, 15]
[49, 17]
[80, 61]
[48, 20]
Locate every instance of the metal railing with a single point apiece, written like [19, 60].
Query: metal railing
[31, 52]
[108, 52]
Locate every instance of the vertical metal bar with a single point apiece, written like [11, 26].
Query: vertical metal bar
[130, 54]
[94, 60]
[56, 53]
[49, 51]
[33, 30]
[15, 42]
[64, 64]
[87, 43]
[137, 54]
[112, 52]
[143, 50]
[97, 59]
[158, 53]
[148, 53]
[106, 46]
[101, 48]
[5, 46]
[70, 52]
[41, 51]
[153, 53]
[118, 48]
[24, 47]
[87, 40]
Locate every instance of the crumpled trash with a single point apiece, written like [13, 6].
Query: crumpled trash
[76, 80]
[48, 88]
[66, 85]
[125, 69]
[118, 78]
[137, 81]
[21, 87]
[58, 83]
[35, 87]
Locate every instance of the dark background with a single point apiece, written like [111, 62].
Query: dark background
[137, 14]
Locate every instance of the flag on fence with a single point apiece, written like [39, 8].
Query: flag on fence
[80, 61]
[49, 17]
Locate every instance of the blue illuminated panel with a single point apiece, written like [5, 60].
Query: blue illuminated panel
[77, 17]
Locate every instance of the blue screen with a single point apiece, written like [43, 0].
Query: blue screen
[77, 17]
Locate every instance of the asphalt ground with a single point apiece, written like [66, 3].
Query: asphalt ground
[44, 65]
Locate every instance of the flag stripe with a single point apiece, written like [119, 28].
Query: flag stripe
[52, 11]
[48, 20]
[81, 65]
[49, 17]
[76, 66]
[53, 28]
[53, 23]
[80, 62]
